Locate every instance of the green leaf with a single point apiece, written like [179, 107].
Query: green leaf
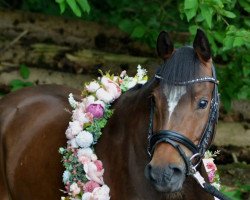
[244, 92]
[245, 5]
[60, 1]
[190, 8]
[219, 36]
[207, 13]
[62, 7]
[193, 29]
[190, 4]
[126, 25]
[84, 4]
[24, 71]
[238, 41]
[138, 31]
[199, 18]
[16, 82]
[228, 42]
[190, 13]
[74, 7]
[228, 14]
[247, 22]
[227, 103]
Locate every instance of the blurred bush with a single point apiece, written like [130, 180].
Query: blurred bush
[226, 22]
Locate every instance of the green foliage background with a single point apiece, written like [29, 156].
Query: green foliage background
[226, 23]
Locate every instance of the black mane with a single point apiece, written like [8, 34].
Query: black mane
[183, 65]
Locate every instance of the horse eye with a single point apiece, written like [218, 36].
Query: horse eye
[202, 104]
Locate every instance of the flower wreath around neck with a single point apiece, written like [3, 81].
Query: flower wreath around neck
[83, 175]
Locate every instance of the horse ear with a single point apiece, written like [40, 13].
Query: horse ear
[165, 46]
[202, 46]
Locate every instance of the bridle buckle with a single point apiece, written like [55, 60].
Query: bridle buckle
[192, 169]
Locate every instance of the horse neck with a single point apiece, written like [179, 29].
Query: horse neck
[131, 118]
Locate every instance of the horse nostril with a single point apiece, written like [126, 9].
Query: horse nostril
[177, 171]
[149, 167]
[149, 172]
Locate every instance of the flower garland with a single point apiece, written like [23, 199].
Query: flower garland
[211, 169]
[83, 175]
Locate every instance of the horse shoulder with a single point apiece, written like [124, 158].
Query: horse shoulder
[32, 125]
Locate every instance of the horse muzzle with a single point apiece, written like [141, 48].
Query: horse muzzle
[166, 179]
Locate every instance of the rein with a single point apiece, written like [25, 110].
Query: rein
[174, 138]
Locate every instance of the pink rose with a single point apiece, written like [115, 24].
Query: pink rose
[96, 110]
[92, 172]
[211, 166]
[99, 165]
[90, 186]
[211, 176]
[84, 159]
[112, 87]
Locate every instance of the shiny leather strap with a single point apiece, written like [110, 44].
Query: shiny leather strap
[163, 135]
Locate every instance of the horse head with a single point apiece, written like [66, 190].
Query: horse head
[184, 111]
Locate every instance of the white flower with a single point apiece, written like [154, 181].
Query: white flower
[74, 189]
[80, 116]
[141, 72]
[93, 86]
[116, 79]
[131, 83]
[87, 196]
[85, 152]
[85, 155]
[73, 129]
[73, 143]
[123, 74]
[101, 193]
[72, 101]
[66, 176]
[216, 185]
[84, 139]
[88, 100]
[93, 157]
[103, 95]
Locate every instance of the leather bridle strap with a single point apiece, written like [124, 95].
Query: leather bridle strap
[171, 135]
[173, 138]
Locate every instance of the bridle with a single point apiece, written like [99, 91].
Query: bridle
[175, 139]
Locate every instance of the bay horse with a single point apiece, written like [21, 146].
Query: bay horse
[168, 118]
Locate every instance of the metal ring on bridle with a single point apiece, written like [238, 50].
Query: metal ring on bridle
[194, 156]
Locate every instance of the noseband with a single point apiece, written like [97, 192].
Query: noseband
[175, 139]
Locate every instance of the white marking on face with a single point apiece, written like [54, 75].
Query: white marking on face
[173, 97]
